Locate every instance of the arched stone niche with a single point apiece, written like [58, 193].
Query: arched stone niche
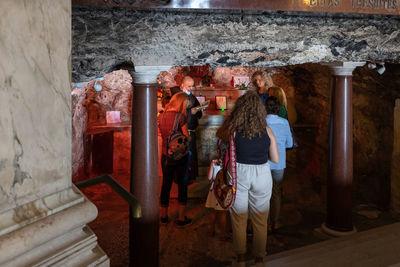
[90, 107]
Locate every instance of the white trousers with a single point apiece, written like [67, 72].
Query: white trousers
[254, 186]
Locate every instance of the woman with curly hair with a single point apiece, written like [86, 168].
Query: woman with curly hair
[261, 81]
[255, 145]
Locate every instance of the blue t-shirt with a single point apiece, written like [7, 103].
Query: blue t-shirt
[281, 129]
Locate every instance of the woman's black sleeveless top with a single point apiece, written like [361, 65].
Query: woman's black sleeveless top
[252, 151]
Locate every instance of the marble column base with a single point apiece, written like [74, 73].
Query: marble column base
[335, 233]
[54, 233]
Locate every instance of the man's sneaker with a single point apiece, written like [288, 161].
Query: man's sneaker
[185, 222]
[164, 220]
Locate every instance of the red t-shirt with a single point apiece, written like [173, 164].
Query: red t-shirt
[165, 125]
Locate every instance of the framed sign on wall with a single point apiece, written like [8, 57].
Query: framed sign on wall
[220, 102]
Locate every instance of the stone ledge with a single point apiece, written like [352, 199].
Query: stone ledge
[75, 248]
[17, 243]
[31, 212]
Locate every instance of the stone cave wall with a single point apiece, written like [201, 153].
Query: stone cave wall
[89, 108]
[373, 105]
[374, 101]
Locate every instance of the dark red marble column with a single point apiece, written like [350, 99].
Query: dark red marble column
[340, 180]
[144, 232]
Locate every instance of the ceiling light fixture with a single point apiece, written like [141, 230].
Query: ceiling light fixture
[382, 69]
[379, 66]
[98, 86]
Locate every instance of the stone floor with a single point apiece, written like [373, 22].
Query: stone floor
[194, 245]
[303, 210]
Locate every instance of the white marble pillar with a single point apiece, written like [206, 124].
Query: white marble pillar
[395, 171]
[43, 216]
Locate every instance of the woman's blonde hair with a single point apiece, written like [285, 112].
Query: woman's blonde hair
[278, 93]
[264, 76]
[178, 103]
[248, 116]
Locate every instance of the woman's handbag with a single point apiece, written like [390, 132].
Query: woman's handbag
[177, 142]
[225, 182]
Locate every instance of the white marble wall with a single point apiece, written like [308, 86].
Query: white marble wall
[35, 99]
[43, 216]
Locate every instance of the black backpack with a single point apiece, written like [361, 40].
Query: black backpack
[177, 142]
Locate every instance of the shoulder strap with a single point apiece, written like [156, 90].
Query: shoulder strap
[176, 122]
[227, 158]
[232, 152]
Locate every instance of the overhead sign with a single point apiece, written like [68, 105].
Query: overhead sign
[385, 7]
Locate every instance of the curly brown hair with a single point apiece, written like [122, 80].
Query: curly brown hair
[248, 116]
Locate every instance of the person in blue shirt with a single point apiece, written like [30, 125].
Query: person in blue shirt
[261, 81]
[281, 129]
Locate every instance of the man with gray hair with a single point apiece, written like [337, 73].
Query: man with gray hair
[193, 116]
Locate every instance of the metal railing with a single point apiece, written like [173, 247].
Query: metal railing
[119, 189]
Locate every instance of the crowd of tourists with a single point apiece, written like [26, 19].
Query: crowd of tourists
[251, 150]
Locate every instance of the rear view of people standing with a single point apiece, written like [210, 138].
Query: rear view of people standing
[254, 141]
[175, 110]
[281, 130]
[193, 116]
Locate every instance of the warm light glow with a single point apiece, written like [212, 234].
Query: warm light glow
[193, 4]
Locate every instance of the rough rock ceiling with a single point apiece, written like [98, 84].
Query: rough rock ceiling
[105, 37]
